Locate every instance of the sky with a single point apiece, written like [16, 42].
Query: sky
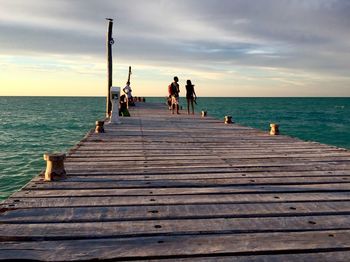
[234, 48]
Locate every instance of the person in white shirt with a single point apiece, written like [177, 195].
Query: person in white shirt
[127, 90]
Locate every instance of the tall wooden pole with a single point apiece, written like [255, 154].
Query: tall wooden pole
[109, 43]
[129, 74]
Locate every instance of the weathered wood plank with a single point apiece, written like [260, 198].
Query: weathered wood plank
[89, 230]
[212, 193]
[246, 185]
[96, 183]
[173, 246]
[336, 256]
[183, 176]
[206, 162]
[217, 168]
[183, 211]
[194, 151]
[149, 198]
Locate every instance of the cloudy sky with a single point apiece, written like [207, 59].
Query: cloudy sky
[226, 47]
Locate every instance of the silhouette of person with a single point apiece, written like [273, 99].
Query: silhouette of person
[174, 90]
[190, 96]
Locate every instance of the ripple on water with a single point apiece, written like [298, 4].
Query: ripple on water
[32, 126]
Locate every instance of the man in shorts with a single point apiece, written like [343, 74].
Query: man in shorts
[174, 93]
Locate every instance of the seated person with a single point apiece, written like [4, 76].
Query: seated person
[123, 107]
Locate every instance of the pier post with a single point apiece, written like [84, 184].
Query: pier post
[99, 127]
[54, 166]
[109, 43]
[228, 119]
[274, 129]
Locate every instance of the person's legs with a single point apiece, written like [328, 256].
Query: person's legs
[177, 105]
[169, 103]
[192, 106]
[188, 106]
[173, 104]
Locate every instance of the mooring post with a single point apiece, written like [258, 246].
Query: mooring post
[274, 129]
[228, 119]
[54, 166]
[99, 127]
[109, 43]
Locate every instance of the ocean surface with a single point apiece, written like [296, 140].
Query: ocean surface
[31, 126]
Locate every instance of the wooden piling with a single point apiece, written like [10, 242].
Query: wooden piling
[99, 128]
[54, 166]
[109, 43]
[274, 129]
[228, 119]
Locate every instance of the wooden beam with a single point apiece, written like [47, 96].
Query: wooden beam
[109, 43]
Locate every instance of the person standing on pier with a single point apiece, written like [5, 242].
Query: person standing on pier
[190, 96]
[174, 90]
[127, 90]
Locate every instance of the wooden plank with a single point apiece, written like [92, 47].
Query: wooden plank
[213, 194]
[90, 230]
[181, 211]
[194, 152]
[214, 168]
[184, 176]
[114, 181]
[152, 199]
[336, 256]
[250, 185]
[175, 246]
[206, 162]
[294, 156]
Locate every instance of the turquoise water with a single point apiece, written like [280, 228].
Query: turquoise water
[326, 120]
[31, 126]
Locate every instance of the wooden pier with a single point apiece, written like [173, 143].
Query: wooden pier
[185, 188]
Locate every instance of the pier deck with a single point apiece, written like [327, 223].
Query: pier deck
[185, 188]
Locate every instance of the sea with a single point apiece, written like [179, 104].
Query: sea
[31, 126]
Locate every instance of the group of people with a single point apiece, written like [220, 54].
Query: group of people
[173, 98]
[126, 99]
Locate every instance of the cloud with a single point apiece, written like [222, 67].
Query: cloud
[290, 35]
